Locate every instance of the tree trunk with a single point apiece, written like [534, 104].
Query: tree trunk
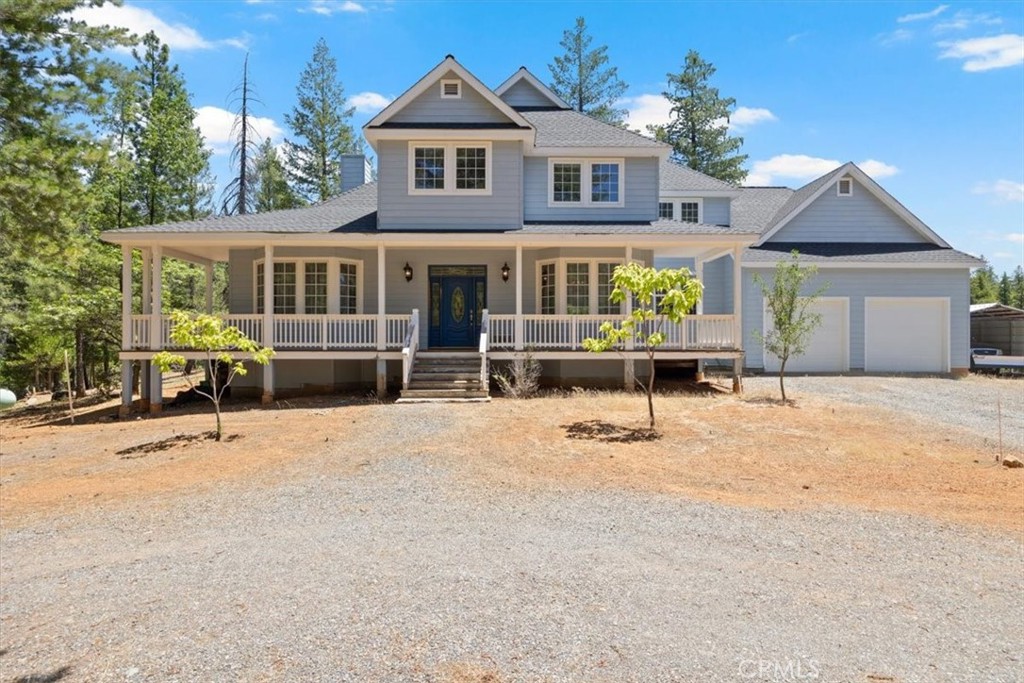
[650, 389]
[79, 363]
[782, 383]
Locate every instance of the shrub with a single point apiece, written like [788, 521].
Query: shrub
[521, 378]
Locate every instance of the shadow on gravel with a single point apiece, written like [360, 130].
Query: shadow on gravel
[55, 675]
[144, 449]
[599, 430]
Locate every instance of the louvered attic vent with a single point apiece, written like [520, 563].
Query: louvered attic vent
[451, 89]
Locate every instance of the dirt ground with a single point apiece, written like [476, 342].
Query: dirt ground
[710, 445]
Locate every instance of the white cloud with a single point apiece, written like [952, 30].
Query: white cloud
[1004, 190]
[801, 167]
[923, 15]
[216, 124]
[965, 19]
[651, 109]
[369, 102]
[140, 21]
[900, 35]
[797, 37]
[329, 7]
[1015, 238]
[744, 117]
[983, 54]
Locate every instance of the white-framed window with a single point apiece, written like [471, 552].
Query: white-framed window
[586, 182]
[312, 286]
[450, 168]
[844, 188]
[687, 210]
[576, 286]
[451, 89]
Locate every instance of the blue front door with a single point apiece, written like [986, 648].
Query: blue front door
[456, 303]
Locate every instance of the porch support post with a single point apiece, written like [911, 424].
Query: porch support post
[382, 377]
[519, 299]
[147, 309]
[126, 330]
[209, 287]
[629, 369]
[268, 320]
[382, 329]
[698, 269]
[156, 330]
[737, 318]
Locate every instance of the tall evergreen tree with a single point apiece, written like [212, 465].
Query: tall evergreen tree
[271, 191]
[984, 286]
[582, 77]
[320, 125]
[1017, 288]
[699, 129]
[1005, 290]
[239, 193]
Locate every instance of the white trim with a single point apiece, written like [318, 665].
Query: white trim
[561, 281]
[422, 85]
[524, 75]
[839, 187]
[851, 169]
[946, 314]
[669, 195]
[458, 88]
[449, 168]
[586, 179]
[631, 152]
[333, 284]
[403, 134]
[845, 300]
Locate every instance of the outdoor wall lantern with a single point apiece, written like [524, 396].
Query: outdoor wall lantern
[505, 271]
[408, 272]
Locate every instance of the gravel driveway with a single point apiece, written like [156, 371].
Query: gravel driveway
[972, 404]
[407, 572]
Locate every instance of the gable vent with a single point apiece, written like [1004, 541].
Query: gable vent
[451, 89]
[845, 187]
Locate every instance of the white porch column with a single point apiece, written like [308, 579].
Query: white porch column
[382, 329]
[156, 335]
[629, 369]
[698, 269]
[268, 320]
[737, 321]
[147, 309]
[209, 287]
[519, 299]
[126, 329]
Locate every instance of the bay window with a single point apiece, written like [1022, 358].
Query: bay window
[574, 286]
[311, 286]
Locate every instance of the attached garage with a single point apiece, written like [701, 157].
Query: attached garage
[906, 334]
[829, 350]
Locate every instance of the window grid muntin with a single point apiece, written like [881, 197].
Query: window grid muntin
[315, 288]
[567, 182]
[665, 210]
[604, 183]
[604, 290]
[429, 168]
[548, 289]
[285, 288]
[689, 212]
[471, 168]
[347, 288]
[577, 288]
[259, 287]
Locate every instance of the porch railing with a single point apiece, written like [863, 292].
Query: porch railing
[485, 329]
[409, 347]
[567, 332]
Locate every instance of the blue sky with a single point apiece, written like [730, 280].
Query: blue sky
[927, 97]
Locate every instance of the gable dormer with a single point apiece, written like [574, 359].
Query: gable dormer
[524, 91]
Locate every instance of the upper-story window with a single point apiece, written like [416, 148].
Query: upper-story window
[685, 210]
[665, 210]
[429, 164]
[585, 182]
[689, 212]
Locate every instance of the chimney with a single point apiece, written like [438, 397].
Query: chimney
[356, 170]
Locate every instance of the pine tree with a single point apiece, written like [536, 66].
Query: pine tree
[1017, 288]
[270, 182]
[699, 129]
[239, 194]
[1005, 291]
[984, 287]
[583, 79]
[320, 125]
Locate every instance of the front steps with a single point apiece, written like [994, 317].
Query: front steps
[445, 376]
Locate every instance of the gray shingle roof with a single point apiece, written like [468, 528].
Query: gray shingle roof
[352, 211]
[568, 128]
[860, 252]
[659, 227]
[755, 207]
[677, 177]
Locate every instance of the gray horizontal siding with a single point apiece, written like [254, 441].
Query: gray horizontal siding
[716, 210]
[718, 286]
[641, 195]
[429, 107]
[398, 210]
[522, 94]
[860, 283]
[859, 218]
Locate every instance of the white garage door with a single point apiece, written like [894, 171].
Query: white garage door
[906, 334]
[828, 350]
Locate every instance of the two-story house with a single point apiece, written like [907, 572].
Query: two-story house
[495, 223]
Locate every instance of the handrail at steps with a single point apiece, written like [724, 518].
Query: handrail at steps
[485, 328]
[410, 346]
